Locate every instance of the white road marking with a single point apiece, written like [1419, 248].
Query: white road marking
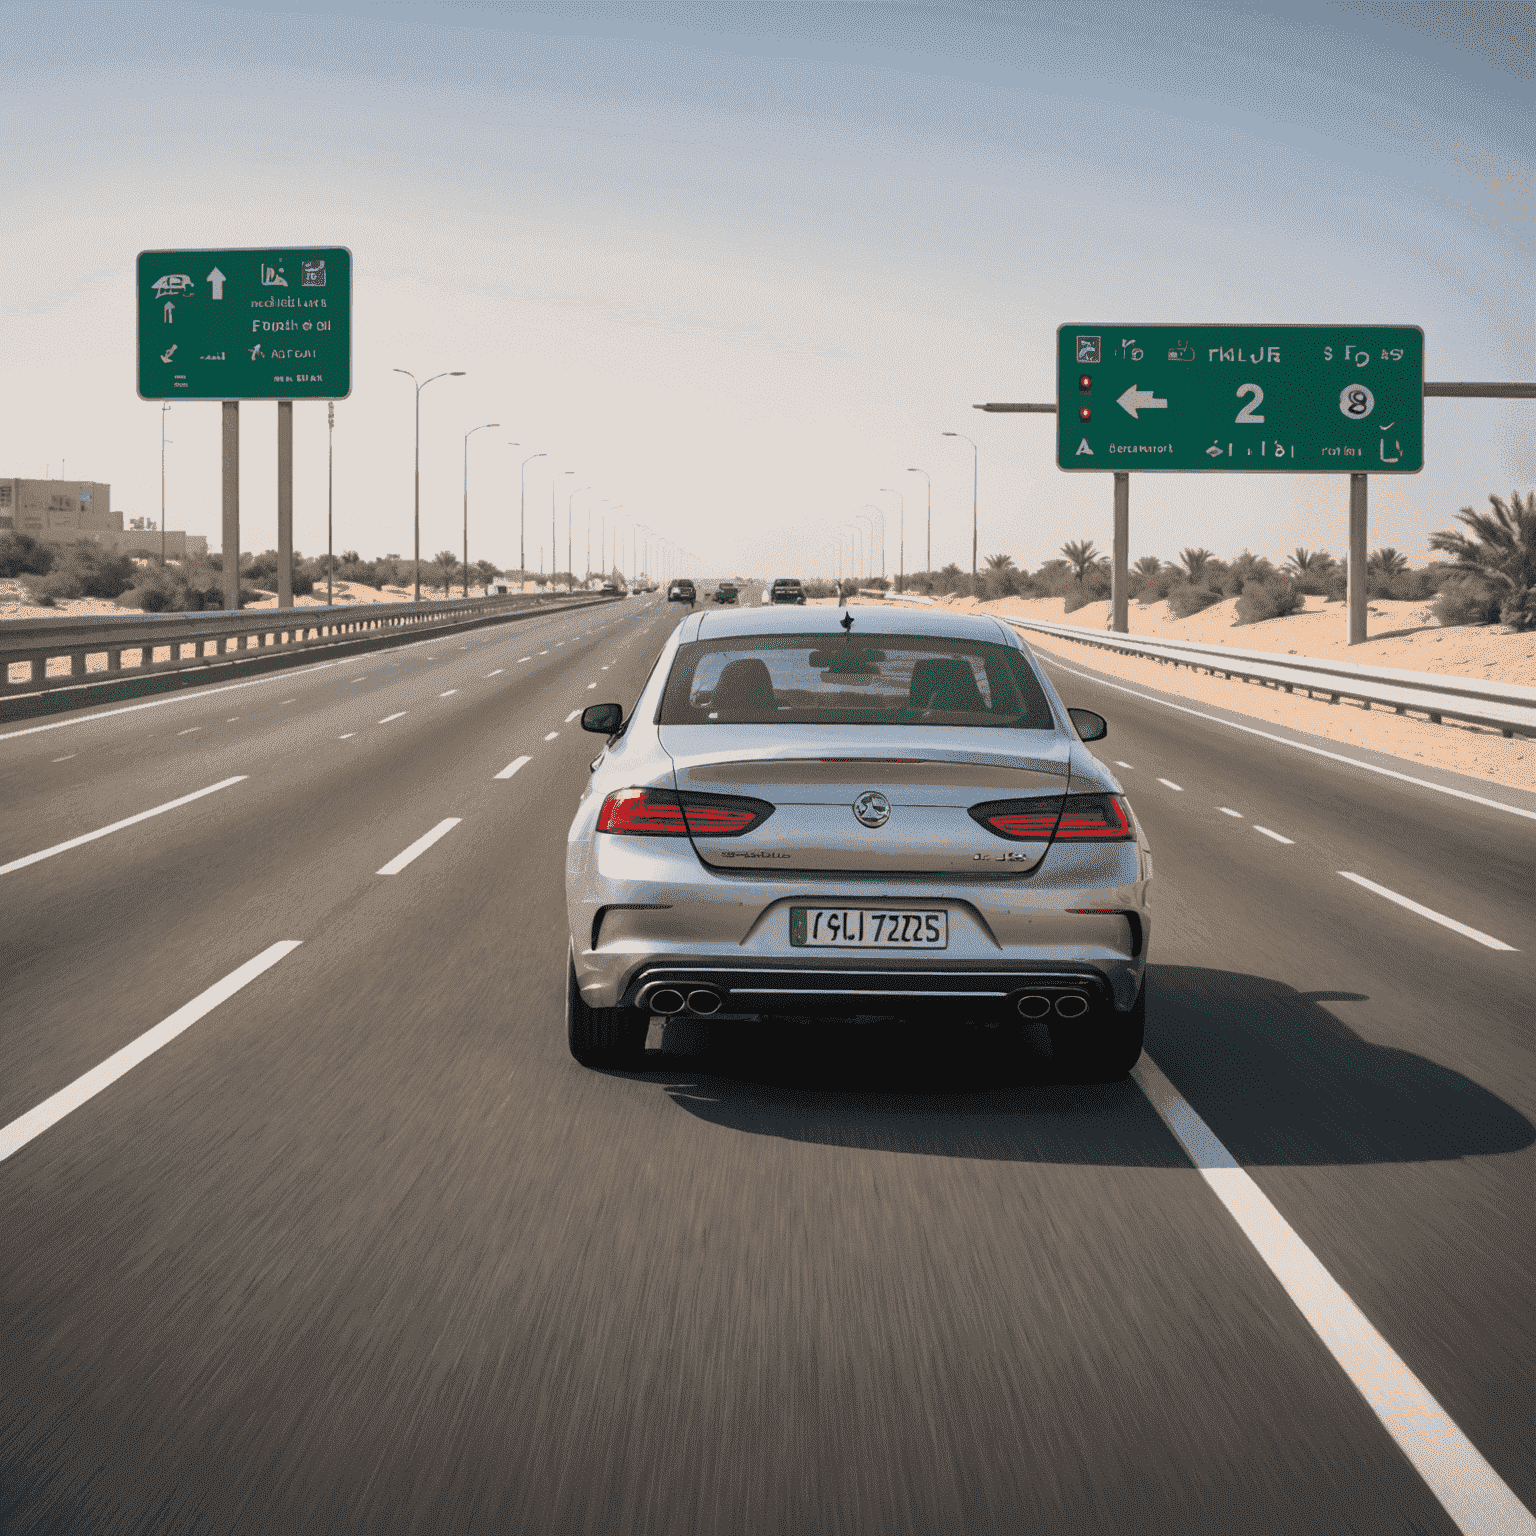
[420, 846]
[1119, 764]
[290, 701]
[1227, 812]
[573, 714]
[1473, 1494]
[18, 1133]
[591, 686]
[513, 766]
[525, 658]
[349, 735]
[398, 713]
[190, 730]
[117, 826]
[1306, 746]
[1275, 835]
[1413, 906]
[66, 757]
[551, 735]
[497, 672]
[543, 653]
[1172, 785]
[444, 694]
[231, 719]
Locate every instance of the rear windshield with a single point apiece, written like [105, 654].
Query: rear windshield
[853, 680]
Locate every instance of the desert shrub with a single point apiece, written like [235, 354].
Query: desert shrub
[1466, 600]
[84, 569]
[819, 588]
[20, 552]
[186, 588]
[1246, 568]
[261, 571]
[1518, 610]
[1185, 599]
[1093, 588]
[1272, 599]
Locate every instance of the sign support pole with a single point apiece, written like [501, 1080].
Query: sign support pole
[1357, 558]
[285, 503]
[231, 488]
[1118, 620]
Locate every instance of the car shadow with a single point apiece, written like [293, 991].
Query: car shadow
[1274, 1073]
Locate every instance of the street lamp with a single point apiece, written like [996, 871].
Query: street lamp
[163, 409]
[554, 542]
[901, 568]
[871, 507]
[330, 486]
[570, 559]
[457, 373]
[974, 473]
[522, 514]
[929, 478]
[481, 428]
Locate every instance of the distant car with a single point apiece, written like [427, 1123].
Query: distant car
[855, 813]
[787, 589]
[610, 589]
[726, 594]
[682, 591]
[498, 588]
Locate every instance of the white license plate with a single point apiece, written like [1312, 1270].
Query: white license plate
[867, 928]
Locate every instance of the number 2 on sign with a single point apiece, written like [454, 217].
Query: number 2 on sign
[1247, 412]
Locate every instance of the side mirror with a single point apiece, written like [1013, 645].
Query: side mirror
[605, 719]
[1090, 727]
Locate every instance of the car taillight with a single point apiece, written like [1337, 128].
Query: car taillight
[663, 813]
[1082, 819]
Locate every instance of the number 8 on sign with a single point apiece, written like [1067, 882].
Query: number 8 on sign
[1356, 401]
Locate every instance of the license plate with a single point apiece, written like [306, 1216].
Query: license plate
[867, 928]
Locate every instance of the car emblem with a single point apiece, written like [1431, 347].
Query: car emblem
[872, 808]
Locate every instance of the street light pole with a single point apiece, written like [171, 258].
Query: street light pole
[457, 373]
[481, 428]
[163, 409]
[569, 556]
[330, 485]
[975, 471]
[929, 478]
[880, 511]
[554, 538]
[522, 515]
[902, 514]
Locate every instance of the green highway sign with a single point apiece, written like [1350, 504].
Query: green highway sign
[245, 324]
[1276, 399]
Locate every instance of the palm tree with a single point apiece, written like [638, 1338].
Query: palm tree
[1387, 562]
[1195, 561]
[999, 562]
[1502, 553]
[1082, 556]
[446, 562]
[1308, 562]
[1148, 565]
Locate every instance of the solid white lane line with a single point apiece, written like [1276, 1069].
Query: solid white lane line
[497, 672]
[1275, 835]
[398, 713]
[573, 714]
[1306, 746]
[1473, 1494]
[66, 757]
[1172, 785]
[117, 826]
[551, 735]
[444, 694]
[1412, 906]
[1226, 812]
[512, 767]
[420, 846]
[32, 1124]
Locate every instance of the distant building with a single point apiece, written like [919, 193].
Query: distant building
[62, 510]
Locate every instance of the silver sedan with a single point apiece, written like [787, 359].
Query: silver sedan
[846, 813]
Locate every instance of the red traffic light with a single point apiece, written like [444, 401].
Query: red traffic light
[1084, 414]
[1085, 382]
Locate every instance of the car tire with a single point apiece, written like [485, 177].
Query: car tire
[1102, 1051]
[602, 1037]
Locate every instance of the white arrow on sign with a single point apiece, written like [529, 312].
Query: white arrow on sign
[170, 309]
[1134, 400]
[217, 278]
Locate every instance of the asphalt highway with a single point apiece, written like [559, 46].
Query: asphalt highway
[311, 1224]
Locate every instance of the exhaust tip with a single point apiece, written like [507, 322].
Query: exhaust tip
[1072, 1005]
[1034, 1006]
[704, 1002]
[667, 1000]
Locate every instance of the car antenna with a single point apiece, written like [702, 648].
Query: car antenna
[847, 622]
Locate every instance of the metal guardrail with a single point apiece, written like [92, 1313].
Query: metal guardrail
[226, 636]
[1506, 707]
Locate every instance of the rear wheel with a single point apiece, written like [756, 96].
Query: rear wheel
[1101, 1050]
[602, 1037]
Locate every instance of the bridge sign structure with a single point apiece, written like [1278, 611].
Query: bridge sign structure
[1275, 399]
[267, 324]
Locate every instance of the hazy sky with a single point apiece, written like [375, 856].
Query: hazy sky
[739, 265]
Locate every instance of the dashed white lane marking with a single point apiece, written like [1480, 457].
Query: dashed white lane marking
[66, 757]
[591, 686]
[117, 826]
[398, 713]
[32, 1124]
[525, 658]
[362, 679]
[1473, 1494]
[1413, 906]
[1275, 835]
[551, 735]
[1119, 764]
[513, 766]
[1306, 746]
[572, 716]
[347, 736]
[289, 701]
[191, 730]
[444, 694]
[543, 653]
[1228, 811]
[497, 672]
[1172, 785]
[420, 846]
[231, 719]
